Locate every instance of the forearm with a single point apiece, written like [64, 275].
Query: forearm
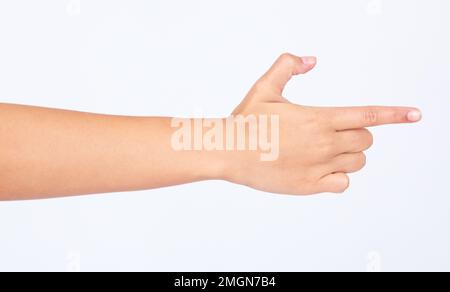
[49, 153]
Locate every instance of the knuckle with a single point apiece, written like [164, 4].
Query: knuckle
[370, 139]
[358, 160]
[370, 115]
[362, 160]
[338, 185]
[345, 184]
[286, 56]
[367, 138]
[398, 116]
[289, 59]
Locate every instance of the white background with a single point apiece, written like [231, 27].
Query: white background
[184, 58]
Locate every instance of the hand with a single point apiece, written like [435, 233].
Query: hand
[319, 147]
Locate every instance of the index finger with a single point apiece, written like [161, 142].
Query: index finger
[371, 116]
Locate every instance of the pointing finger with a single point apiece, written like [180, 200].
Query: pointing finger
[363, 117]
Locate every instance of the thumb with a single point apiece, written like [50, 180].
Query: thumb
[284, 69]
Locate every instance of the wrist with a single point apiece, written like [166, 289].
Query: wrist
[198, 143]
[217, 158]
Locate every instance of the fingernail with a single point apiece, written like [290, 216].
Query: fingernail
[414, 116]
[309, 60]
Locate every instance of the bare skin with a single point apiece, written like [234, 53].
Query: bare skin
[46, 153]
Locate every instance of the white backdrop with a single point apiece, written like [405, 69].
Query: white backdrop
[198, 57]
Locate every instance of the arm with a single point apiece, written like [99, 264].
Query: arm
[49, 153]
